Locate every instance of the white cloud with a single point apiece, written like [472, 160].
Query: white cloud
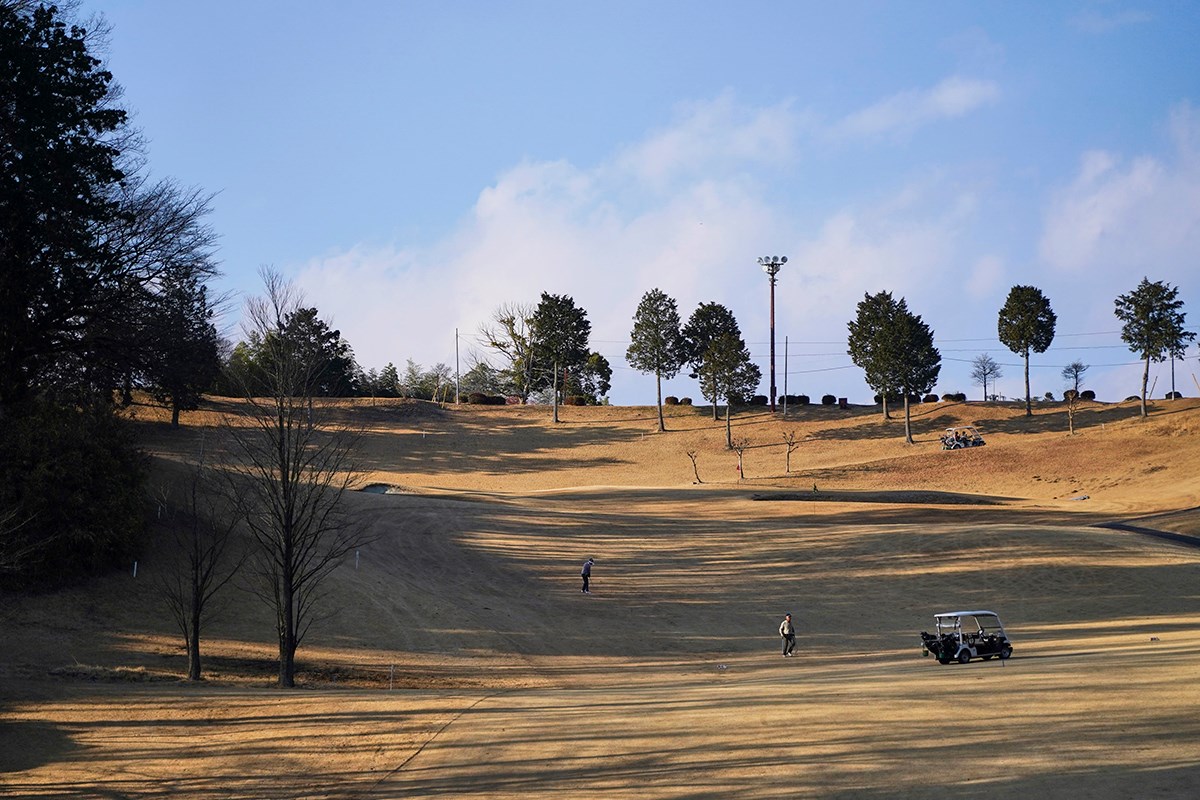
[1130, 216]
[903, 113]
[682, 212]
[719, 135]
[1096, 22]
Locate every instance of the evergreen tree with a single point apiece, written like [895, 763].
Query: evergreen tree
[560, 332]
[1153, 320]
[894, 347]
[657, 343]
[729, 373]
[871, 345]
[708, 322]
[184, 345]
[1026, 323]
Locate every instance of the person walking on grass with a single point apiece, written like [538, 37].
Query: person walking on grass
[788, 631]
[586, 574]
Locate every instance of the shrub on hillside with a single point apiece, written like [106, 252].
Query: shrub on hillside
[929, 398]
[575, 400]
[828, 400]
[685, 401]
[1069, 394]
[802, 400]
[1174, 396]
[670, 400]
[1088, 394]
[758, 400]
[1131, 398]
[483, 399]
[75, 480]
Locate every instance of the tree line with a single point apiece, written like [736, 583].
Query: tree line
[104, 274]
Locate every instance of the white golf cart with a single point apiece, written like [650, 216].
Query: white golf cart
[963, 635]
[960, 437]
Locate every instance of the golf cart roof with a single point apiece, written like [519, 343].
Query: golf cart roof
[946, 614]
[961, 428]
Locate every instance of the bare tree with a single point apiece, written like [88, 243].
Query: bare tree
[202, 539]
[789, 440]
[739, 446]
[1073, 374]
[290, 478]
[984, 369]
[692, 455]
[1072, 398]
[511, 335]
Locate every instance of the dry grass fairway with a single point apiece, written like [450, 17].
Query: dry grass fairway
[462, 661]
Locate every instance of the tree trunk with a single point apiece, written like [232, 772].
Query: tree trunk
[883, 398]
[554, 391]
[174, 415]
[287, 624]
[658, 382]
[1145, 381]
[728, 431]
[193, 644]
[1028, 404]
[907, 422]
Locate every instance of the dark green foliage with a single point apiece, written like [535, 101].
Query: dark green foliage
[828, 400]
[894, 347]
[302, 337]
[591, 379]
[671, 400]
[1088, 394]
[559, 336]
[58, 174]
[481, 399]
[929, 398]
[657, 344]
[1026, 323]
[1173, 396]
[1153, 320]
[726, 371]
[758, 400]
[75, 480]
[685, 401]
[183, 344]
[575, 400]
[483, 378]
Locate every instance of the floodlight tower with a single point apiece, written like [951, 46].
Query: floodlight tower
[771, 266]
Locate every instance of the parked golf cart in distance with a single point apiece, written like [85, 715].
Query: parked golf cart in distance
[963, 635]
[961, 437]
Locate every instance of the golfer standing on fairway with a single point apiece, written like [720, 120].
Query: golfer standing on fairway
[788, 632]
[586, 574]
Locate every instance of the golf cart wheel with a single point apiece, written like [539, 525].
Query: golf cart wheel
[964, 656]
[1006, 652]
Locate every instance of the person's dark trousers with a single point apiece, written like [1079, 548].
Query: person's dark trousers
[789, 643]
[585, 583]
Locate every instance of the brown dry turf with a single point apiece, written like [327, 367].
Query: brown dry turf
[461, 660]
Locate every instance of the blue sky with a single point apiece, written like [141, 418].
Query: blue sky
[412, 166]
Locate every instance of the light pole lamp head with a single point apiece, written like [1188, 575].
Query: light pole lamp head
[772, 264]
